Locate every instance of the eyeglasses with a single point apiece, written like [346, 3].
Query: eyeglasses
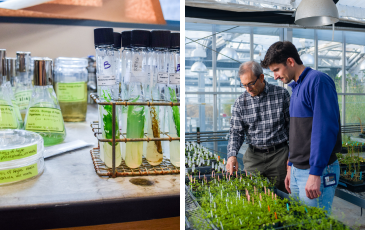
[249, 85]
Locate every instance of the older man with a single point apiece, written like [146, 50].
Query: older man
[261, 116]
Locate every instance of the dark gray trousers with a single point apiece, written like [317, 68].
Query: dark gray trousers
[270, 164]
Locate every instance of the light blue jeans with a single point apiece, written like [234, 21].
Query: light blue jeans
[298, 181]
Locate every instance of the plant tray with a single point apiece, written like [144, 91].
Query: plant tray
[202, 170]
[362, 135]
[356, 148]
[123, 170]
[351, 186]
[193, 214]
[362, 167]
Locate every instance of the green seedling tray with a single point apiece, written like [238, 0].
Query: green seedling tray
[351, 186]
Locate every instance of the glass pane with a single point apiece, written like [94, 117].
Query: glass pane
[198, 61]
[263, 38]
[355, 69]
[305, 46]
[355, 109]
[233, 48]
[225, 103]
[199, 112]
[329, 56]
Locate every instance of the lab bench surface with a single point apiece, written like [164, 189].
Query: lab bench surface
[69, 193]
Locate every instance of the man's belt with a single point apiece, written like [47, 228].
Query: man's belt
[269, 149]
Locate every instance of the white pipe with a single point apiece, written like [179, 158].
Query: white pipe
[20, 4]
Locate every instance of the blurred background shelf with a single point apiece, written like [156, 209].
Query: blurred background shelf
[170, 25]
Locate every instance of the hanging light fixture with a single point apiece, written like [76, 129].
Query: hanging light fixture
[227, 54]
[307, 59]
[198, 67]
[198, 52]
[316, 13]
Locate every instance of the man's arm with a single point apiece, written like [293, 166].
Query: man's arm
[325, 128]
[236, 137]
[286, 110]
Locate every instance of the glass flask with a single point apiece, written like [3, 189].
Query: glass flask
[44, 114]
[10, 75]
[173, 95]
[8, 119]
[108, 89]
[23, 85]
[70, 79]
[136, 79]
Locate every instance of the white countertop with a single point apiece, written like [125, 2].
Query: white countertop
[71, 178]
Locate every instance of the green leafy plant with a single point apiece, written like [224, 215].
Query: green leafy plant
[175, 111]
[353, 161]
[108, 119]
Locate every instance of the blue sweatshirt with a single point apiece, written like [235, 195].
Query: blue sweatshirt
[315, 128]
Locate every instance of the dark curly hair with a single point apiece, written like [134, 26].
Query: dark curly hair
[279, 52]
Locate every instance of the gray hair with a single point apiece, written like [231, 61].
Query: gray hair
[250, 65]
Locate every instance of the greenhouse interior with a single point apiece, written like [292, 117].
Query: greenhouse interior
[221, 35]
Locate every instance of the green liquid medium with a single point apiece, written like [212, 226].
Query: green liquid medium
[135, 129]
[52, 138]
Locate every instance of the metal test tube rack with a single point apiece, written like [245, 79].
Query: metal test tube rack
[96, 129]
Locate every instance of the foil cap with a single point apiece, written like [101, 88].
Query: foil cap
[23, 61]
[10, 68]
[2, 63]
[43, 71]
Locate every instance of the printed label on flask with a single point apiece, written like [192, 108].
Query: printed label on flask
[17, 174]
[19, 153]
[174, 78]
[106, 80]
[162, 78]
[71, 92]
[7, 117]
[23, 98]
[45, 119]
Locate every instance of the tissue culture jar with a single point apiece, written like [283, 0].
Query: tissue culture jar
[71, 87]
[73, 100]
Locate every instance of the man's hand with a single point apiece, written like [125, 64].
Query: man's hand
[287, 179]
[232, 161]
[312, 188]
